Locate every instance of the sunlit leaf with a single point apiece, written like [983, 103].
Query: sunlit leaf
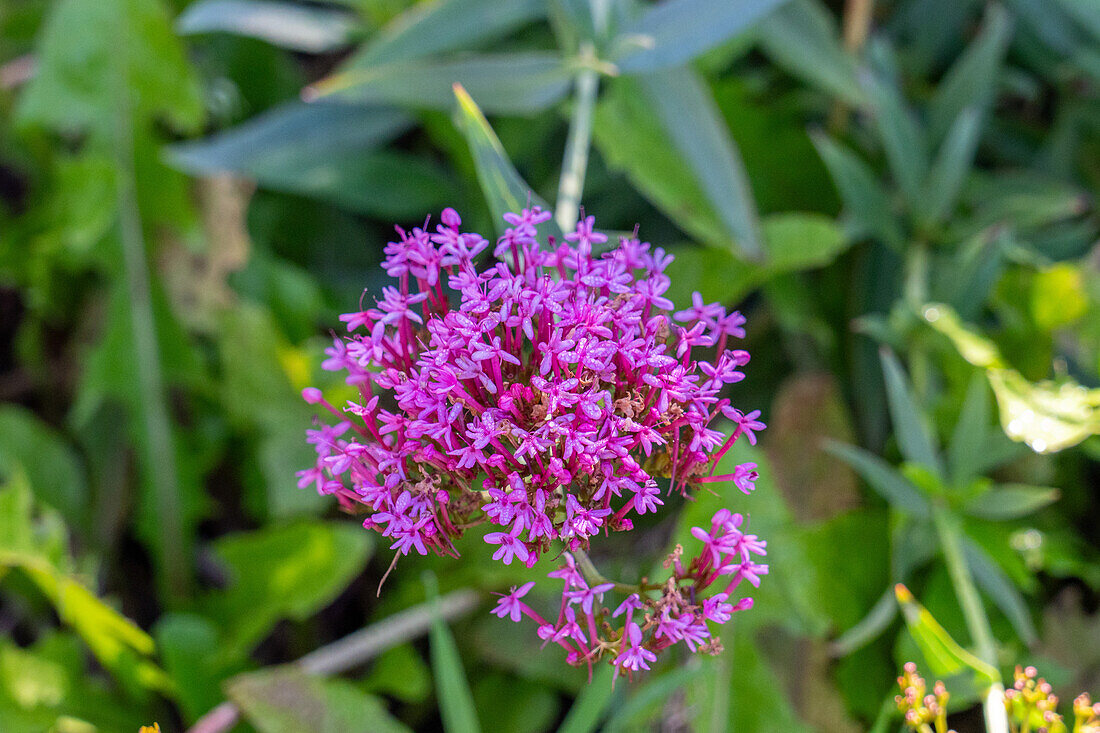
[1048, 416]
[307, 28]
[942, 653]
[502, 185]
[1058, 296]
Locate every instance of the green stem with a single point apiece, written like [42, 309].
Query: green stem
[977, 622]
[571, 185]
[595, 577]
[160, 454]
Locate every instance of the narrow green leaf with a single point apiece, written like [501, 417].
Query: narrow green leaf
[673, 32]
[972, 80]
[1012, 501]
[802, 37]
[914, 437]
[952, 164]
[504, 83]
[654, 692]
[502, 185]
[881, 476]
[902, 139]
[868, 628]
[970, 432]
[680, 94]
[864, 197]
[306, 28]
[991, 579]
[942, 653]
[456, 702]
[432, 28]
[592, 703]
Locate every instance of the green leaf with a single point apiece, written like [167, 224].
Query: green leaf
[188, 644]
[942, 653]
[281, 572]
[286, 700]
[651, 695]
[456, 703]
[50, 465]
[865, 199]
[881, 476]
[446, 25]
[504, 189]
[83, 45]
[991, 579]
[673, 32]
[708, 151]
[505, 83]
[915, 439]
[802, 37]
[401, 673]
[952, 164]
[972, 80]
[1011, 501]
[592, 704]
[306, 28]
[902, 139]
[970, 433]
[1048, 416]
[877, 620]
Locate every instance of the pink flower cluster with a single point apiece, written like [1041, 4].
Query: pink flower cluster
[545, 392]
[654, 616]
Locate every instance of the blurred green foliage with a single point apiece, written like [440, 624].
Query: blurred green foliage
[902, 203]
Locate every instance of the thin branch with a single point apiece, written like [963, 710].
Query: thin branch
[571, 185]
[357, 648]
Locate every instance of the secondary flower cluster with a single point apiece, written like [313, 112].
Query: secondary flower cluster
[653, 617]
[543, 393]
[922, 711]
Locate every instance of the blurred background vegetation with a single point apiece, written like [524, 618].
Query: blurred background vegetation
[900, 196]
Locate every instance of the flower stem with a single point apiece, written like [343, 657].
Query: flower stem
[594, 576]
[571, 185]
[977, 622]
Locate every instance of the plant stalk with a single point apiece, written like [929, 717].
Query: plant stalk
[577, 144]
[977, 622]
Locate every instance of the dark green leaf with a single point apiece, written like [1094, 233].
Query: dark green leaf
[456, 703]
[869, 627]
[1011, 501]
[653, 694]
[307, 28]
[972, 80]
[504, 83]
[708, 151]
[865, 200]
[902, 139]
[970, 432]
[915, 439]
[952, 164]
[50, 465]
[676, 31]
[991, 579]
[881, 476]
[592, 704]
[446, 25]
[502, 185]
[803, 38]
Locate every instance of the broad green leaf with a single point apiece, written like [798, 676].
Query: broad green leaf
[188, 645]
[972, 81]
[877, 620]
[50, 465]
[673, 32]
[504, 189]
[996, 584]
[445, 25]
[802, 37]
[942, 653]
[707, 150]
[505, 83]
[1048, 416]
[592, 703]
[915, 438]
[1011, 501]
[902, 138]
[881, 476]
[456, 703]
[952, 164]
[281, 572]
[306, 28]
[865, 199]
[287, 700]
[83, 47]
